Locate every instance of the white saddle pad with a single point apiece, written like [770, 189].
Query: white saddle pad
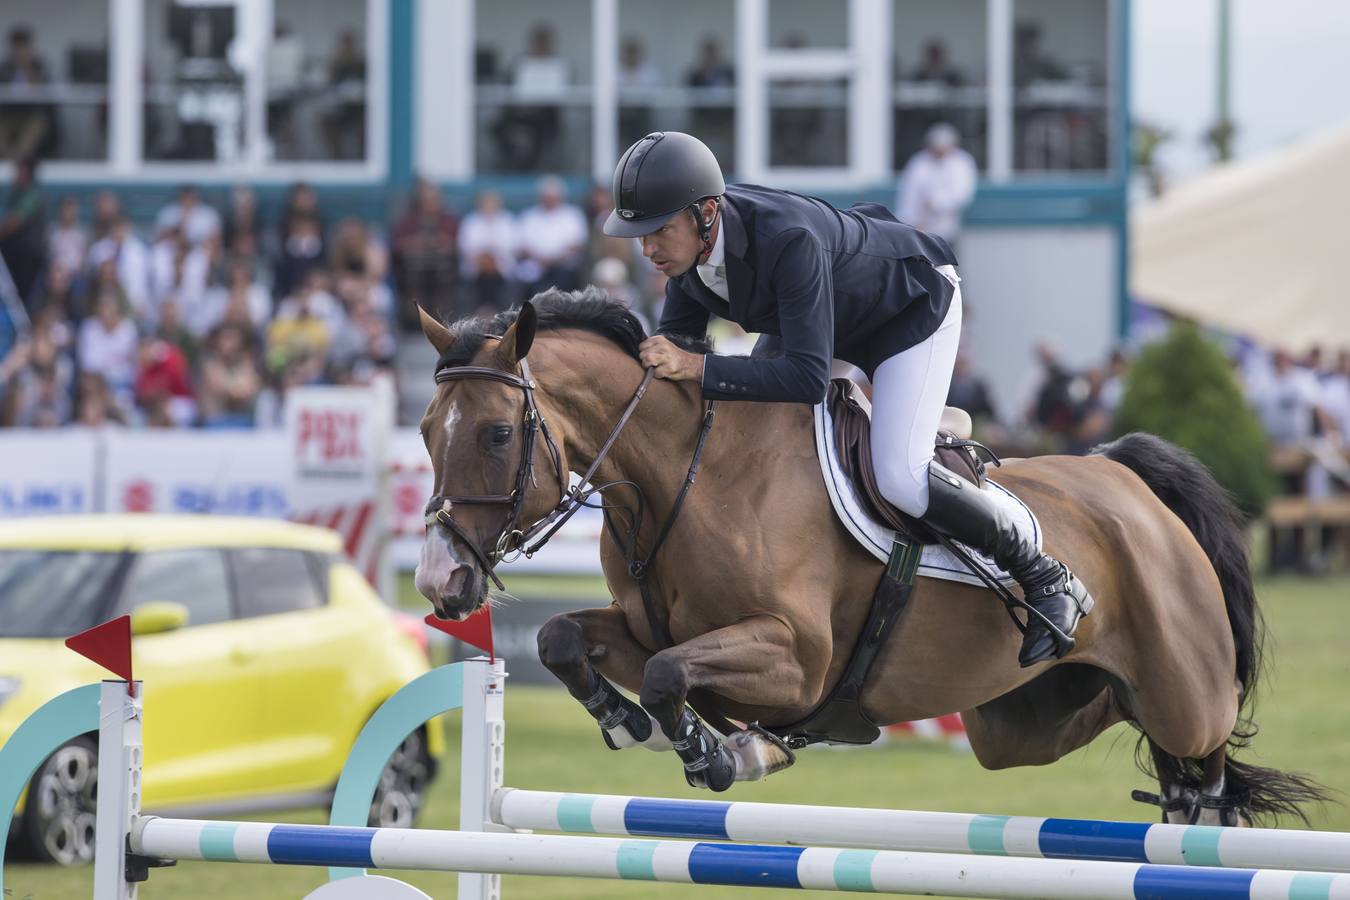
[936, 562]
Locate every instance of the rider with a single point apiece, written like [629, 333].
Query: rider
[821, 284]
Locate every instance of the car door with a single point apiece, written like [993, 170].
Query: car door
[203, 682]
[309, 651]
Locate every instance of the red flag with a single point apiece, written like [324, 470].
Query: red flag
[475, 630]
[109, 645]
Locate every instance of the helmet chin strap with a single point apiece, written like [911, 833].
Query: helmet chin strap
[705, 228]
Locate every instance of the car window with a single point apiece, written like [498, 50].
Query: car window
[269, 580]
[54, 593]
[194, 578]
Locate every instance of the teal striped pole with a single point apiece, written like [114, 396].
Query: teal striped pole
[932, 832]
[742, 865]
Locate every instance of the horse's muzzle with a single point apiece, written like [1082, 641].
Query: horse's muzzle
[458, 595]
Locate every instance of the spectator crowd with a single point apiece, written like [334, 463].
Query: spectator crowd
[206, 317]
[1299, 401]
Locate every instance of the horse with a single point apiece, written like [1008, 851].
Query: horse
[742, 593]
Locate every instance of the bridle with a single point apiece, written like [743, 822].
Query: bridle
[514, 539]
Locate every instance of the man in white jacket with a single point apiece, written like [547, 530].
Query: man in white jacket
[937, 185]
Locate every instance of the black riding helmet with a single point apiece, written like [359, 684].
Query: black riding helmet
[658, 177]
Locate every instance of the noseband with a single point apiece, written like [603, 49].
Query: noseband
[512, 538]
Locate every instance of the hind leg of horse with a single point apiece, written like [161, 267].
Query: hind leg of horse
[1042, 720]
[573, 645]
[1193, 791]
[754, 662]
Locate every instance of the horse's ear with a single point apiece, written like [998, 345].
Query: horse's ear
[441, 338]
[518, 338]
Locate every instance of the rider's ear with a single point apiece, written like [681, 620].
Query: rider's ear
[518, 338]
[441, 337]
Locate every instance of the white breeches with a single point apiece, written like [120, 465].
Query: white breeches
[909, 393]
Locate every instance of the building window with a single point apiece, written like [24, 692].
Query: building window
[317, 81]
[808, 123]
[940, 74]
[677, 74]
[795, 24]
[226, 85]
[194, 86]
[1061, 84]
[532, 86]
[54, 80]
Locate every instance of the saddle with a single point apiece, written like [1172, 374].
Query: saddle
[840, 718]
[953, 448]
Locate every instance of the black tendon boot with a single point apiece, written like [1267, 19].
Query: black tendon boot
[706, 762]
[961, 511]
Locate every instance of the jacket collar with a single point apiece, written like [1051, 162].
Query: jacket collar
[740, 276]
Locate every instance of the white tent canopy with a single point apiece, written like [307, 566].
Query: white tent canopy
[1260, 247]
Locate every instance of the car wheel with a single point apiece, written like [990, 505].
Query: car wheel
[403, 784]
[58, 820]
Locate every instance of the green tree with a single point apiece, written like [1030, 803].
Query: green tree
[1183, 389]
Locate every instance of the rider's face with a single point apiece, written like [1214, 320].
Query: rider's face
[675, 246]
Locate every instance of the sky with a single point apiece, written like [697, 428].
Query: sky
[1290, 73]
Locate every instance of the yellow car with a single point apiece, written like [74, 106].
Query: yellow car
[263, 652]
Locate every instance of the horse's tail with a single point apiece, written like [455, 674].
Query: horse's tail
[1187, 488]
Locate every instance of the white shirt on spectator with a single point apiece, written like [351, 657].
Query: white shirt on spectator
[1336, 401]
[551, 235]
[190, 290]
[1286, 403]
[643, 75]
[68, 246]
[494, 235]
[934, 191]
[133, 269]
[111, 354]
[217, 300]
[200, 223]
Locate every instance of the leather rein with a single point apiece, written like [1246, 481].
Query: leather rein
[512, 538]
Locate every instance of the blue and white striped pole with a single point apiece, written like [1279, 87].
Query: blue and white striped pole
[744, 865]
[933, 832]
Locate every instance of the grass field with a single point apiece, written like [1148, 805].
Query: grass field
[553, 745]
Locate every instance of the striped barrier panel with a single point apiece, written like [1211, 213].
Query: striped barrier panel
[933, 832]
[743, 865]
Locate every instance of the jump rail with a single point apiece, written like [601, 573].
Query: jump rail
[743, 865]
[878, 851]
[929, 832]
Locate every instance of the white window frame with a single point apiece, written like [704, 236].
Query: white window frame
[126, 162]
[863, 64]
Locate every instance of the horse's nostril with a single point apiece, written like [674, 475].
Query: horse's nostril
[454, 585]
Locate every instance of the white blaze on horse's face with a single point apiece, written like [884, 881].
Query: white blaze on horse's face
[441, 576]
[451, 419]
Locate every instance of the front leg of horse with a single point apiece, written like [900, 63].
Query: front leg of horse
[572, 644]
[752, 662]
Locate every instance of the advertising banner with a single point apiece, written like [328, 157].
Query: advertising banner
[337, 441]
[235, 473]
[48, 473]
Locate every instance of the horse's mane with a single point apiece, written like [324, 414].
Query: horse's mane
[589, 309]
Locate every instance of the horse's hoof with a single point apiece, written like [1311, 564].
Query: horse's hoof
[756, 756]
[717, 775]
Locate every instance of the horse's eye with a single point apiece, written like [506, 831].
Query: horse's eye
[501, 434]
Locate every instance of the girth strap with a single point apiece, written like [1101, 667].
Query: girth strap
[840, 717]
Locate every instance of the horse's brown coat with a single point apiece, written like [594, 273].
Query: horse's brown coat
[765, 590]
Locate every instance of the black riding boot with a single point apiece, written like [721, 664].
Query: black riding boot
[960, 511]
